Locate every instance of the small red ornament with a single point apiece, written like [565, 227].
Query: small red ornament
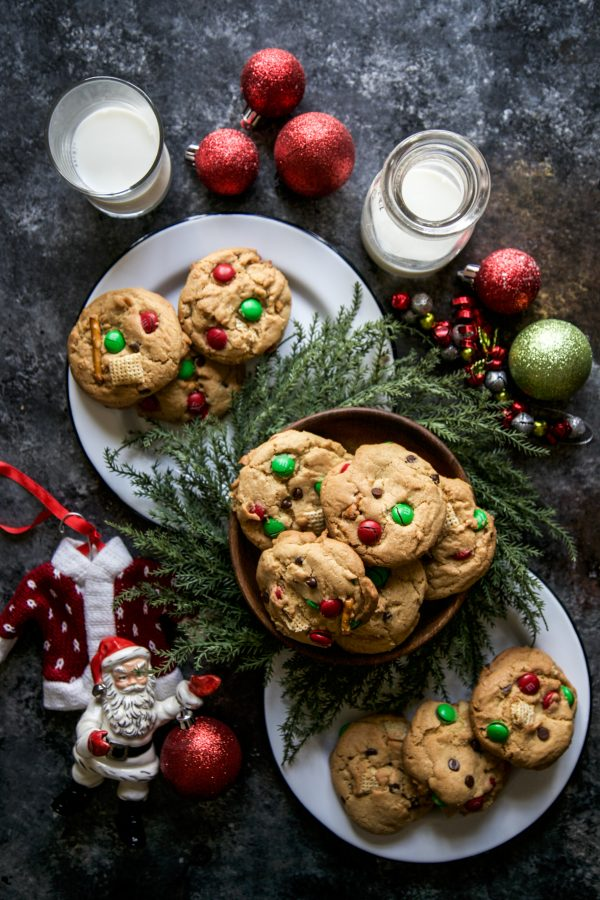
[216, 338]
[226, 161]
[528, 683]
[202, 760]
[507, 281]
[314, 154]
[401, 301]
[369, 531]
[223, 273]
[273, 83]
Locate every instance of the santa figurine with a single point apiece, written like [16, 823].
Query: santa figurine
[114, 734]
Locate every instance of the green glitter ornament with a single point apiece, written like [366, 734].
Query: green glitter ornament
[550, 359]
[114, 341]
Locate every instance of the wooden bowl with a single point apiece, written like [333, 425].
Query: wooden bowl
[352, 427]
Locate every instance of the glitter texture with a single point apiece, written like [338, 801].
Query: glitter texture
[314, 154]
[203, 760]
[550, 359]
[226, 161]
[507, 281]
[273, 82]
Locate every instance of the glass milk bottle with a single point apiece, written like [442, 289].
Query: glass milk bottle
[422, 207]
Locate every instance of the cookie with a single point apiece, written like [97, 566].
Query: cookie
[466, 547]
[367, 775]
[201, 387]
[441, 752]
[314, 588]
[234, 305]
[278, 487]
[523, 708]
[396, 615]
[125, 345]
[388, 510]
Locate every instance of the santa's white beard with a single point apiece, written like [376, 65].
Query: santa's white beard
[130, 712]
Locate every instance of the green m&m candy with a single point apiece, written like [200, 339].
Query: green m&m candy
[436, 800]
[187, 369]
[317, 486]
[446, 713]
[497, 732]
[114, 341]
[402, 514]
[250, 309]
[378, 575]
[273, 527]
[481, 518]
[567, 694]
[283, 465]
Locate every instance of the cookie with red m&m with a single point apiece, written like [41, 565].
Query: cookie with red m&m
[234, 305]
[389, 510]
[523, 708]
[202, 387]
[466, 546]
[125, 345]
[279, 485]
[367, 774]
[442, 753]
[314, 588]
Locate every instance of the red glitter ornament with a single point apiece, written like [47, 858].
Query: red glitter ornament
[202, 760]
[314, 154]
[507, 281]
[226, 161]
[273, 83]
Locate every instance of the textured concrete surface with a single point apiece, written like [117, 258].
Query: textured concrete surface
[519, 78]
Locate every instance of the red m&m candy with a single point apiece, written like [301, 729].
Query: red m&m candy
[369, 531]
[223, 272]
[330, 607]
[528, 683]
[149, 320]
[216, 338]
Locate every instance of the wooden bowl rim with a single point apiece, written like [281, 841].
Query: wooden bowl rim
[446, 609]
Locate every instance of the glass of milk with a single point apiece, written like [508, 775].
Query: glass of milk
[105, 137]
[422, 207]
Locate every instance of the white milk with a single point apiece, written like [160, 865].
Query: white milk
[114, 148]
[432, 191]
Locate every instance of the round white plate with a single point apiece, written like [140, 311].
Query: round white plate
[320, 280]
[435, 838]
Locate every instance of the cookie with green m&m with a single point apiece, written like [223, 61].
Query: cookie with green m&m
[126, 345]
[466, 546]
[314, 588]
[523, 708]
[234, 305]
[279, 485]
[442, 753]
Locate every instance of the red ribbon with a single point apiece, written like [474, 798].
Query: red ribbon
[52, 508]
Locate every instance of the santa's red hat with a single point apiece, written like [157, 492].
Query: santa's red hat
[111, 651]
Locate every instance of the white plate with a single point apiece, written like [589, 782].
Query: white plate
[435, 838]
[320, 280]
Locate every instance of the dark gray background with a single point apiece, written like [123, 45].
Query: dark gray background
[519, 78]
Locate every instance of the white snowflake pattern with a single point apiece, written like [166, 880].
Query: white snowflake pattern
[56, 573]
[68, 609]
[11, 607]
[76, 645]
[53, 594]
[50, 614]
[64, 627]
[146, 571]
[152, 646]
[158, 626]
[78, 590]
[145, 608]
[31, 584]
[72, 679]
[135, 630]
[31, 603]
[47, 645]
[60, 663]
[119, 612]
[10, 629]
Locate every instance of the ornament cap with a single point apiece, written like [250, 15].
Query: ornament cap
[250, 119]
[190, 153]
[185, 718]
[469, 272]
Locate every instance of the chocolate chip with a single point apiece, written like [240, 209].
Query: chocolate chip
[411, 458]
[393, 788]
[297, 493]
[200, 360]
[370, 751]
[543, 733]
[286, 503]
[506, 689]
[453, 764]
[299, 560]
[469, 781]
[414, 802]
[311, 581]
[476, 745]
[377, 492]
[134, 346]
[435, 478]
[386, 616]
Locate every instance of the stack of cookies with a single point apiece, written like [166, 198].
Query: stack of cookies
[388, 771]
[130, 348]
[353, 544]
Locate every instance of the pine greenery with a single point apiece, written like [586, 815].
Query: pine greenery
[335, 363]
